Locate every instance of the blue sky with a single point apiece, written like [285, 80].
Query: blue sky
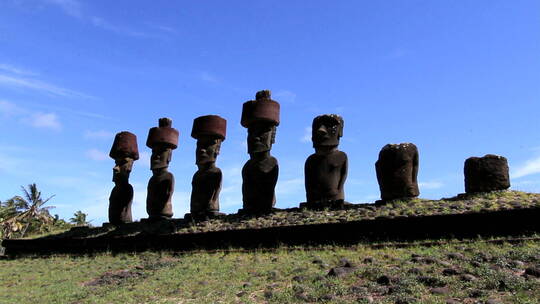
[457, 78]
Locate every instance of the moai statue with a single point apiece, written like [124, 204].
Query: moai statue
[210, 132]
[397, 171]
[325, 170]
[162, 140]
[260, 173]
[124, 151]
[488, 173]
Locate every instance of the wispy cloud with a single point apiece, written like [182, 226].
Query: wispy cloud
[101, 23]
[100, 134]
[430, 185]
[307, 135]
[97, 155]
[531, 166]
[37, 85]
[44, 120]
[16, 70]
[70, 7]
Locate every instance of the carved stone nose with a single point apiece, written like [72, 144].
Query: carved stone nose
[322, 130]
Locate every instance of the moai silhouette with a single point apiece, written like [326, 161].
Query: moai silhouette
[209, 131]
[124, 151]
[485, 174]
[397, 171]
[260, 173]
[325, 171]
[162, 140]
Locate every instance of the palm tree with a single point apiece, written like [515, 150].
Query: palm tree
[79, 218]
[28, 209]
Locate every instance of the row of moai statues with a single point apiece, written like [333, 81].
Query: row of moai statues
[325, 170]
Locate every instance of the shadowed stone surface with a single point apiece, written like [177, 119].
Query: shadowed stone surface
[325, 171]
[488, 173]
[397, 171]
[162, 140]
[124, 151]
[210, 132]
[260, 173]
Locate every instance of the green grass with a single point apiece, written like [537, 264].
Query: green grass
[280, 276]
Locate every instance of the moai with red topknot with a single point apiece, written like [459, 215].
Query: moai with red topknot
[162, 140]
[124, 151]
[260, 173]
[397, 171]
[325, 171]
[209, 131]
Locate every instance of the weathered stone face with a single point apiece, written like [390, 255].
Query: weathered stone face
[325, 171]
[122, 169]
[161, 157]
[207, 150]
[260, 137]
[488, 173]
[397, 171]
[326, 130]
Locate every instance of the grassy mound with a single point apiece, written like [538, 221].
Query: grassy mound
[463, 272]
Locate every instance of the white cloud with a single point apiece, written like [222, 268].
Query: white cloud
[9, 109]
[208, 77]
[285, 96]
[97, 155]
[290, 186]
[430, 185]
[531, 166]
[100, 134]
[44, 120]
[144, 159]
[18, 82]
[307, 135]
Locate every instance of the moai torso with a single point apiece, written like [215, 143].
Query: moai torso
[120, 204]
[325, 176]
[206, 185]
[485, 174]
[159, 196]
[259, 182]
[397, 171]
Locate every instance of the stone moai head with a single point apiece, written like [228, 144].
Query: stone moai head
[162, 140]
[326, 130]
[488, 173]
[260, 117]
[209, 131]
[397, 171]
[124, 151]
